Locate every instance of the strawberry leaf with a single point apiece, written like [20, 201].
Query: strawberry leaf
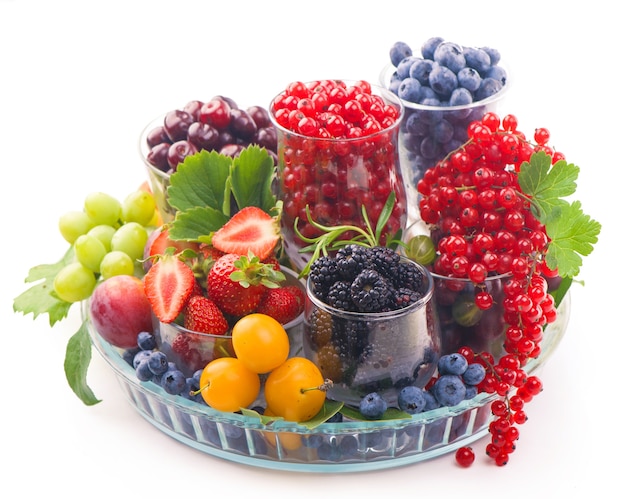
[201, 180]
[197, 223]
[77, 359]
[572, 234]
[40, 298]
[547, 184]
[251, 179]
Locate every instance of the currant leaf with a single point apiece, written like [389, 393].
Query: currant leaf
[547, 184]
[572, 234]
[77, 359]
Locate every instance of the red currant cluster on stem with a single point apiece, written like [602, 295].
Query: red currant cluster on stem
[482, 224]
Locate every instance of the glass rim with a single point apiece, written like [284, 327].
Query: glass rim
[489, 278]
[387, 94]
[388, 69]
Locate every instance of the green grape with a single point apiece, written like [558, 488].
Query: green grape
[103, 209]
[130, 238]
[74, 282]
[73, 224]
[116, 263]
[138, 207]
[89, 251]
[104, 233]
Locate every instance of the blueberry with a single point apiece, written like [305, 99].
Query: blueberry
[173, 382]
[420, 70]
[474, 374]
[488, 87]
[409, 90]
[461, 97]
[328, 452]
[404, 67]
[494, 55]
[450, 55]
[429, 47]
[469, 78]
[431, 401]
[452, 363]
[143, 371]
[449, 390]
[427, 93]
[146, 341]
[129, 355]
[442, 132]
[443, 80]
[372, 406]
[497, 73]
[477, 59]
[157, 362]
[139, 356]
[349, 445]
[411, 399]
[470, 392]
[399, 51]
[416, 126]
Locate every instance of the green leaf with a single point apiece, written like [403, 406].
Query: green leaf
[77, 359]
[200, 180]
[328, 410]
[40, 298]
[560, 292]
[572, 234]
[196, 222]
[251, 178]
[547, 184]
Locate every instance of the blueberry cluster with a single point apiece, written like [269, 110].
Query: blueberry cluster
[151, 364]
[457, 380]
[443, 76]
[366, 279]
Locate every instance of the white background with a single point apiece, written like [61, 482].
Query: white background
[78, 82]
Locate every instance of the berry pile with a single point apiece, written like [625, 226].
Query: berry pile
[365, 279]
[432, 84]
[457, 379]
[349, 132]
[483, 225]
[215, 125]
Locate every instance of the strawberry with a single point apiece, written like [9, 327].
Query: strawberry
[237, 283]
[250, 230]
[204, 316]
[169, 284]
[283, 304]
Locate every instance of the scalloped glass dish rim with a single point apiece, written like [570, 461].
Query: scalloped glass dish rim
[112, 356]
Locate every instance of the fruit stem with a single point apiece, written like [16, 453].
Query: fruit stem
[324, 387]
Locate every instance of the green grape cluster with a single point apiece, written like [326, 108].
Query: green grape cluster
[108, 237]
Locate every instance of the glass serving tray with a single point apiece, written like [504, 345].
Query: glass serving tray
[348, 446]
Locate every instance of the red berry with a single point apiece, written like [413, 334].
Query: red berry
[465, 456]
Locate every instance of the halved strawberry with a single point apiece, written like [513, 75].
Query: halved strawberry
[169, 284]
[249, 230]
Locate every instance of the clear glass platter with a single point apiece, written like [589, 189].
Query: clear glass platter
[349, 446]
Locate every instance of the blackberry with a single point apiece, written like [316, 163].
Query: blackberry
[371, 292]
[351, 260]
[351, 338]
[338, 296]
[323, 273]
[384, 260]
[320, 330]
[403, 297]
[409, 276]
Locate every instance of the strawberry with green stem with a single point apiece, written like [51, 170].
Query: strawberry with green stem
[236, 283]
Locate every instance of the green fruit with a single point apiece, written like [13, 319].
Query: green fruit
[421, 249]
[465, 312]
